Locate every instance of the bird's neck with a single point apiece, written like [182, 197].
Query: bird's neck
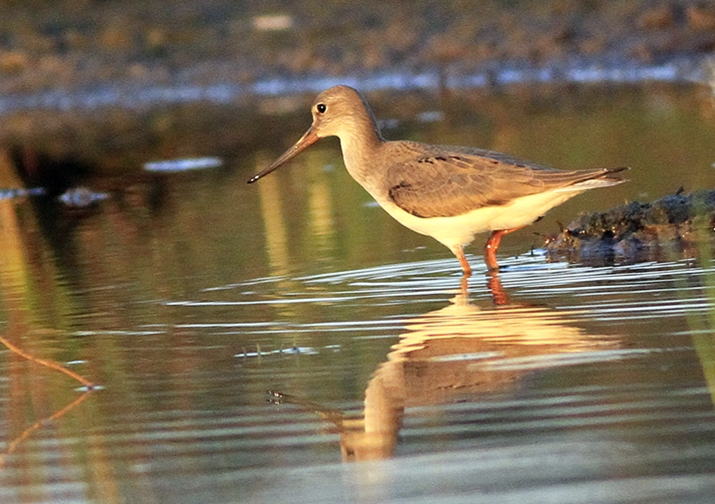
[361, 146]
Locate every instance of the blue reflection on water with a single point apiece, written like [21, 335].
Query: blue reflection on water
[136, 96]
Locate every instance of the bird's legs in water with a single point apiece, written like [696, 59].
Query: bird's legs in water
[490, 253]
[493, 283]
[491, 247]
[466, 268]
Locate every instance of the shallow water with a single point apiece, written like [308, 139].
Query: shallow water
[187, 297]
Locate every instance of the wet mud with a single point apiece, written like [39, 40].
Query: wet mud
[675, 226]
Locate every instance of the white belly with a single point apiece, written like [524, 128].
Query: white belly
[460, 230]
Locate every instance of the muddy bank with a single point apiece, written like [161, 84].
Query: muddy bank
[82, 45]
[669, 228]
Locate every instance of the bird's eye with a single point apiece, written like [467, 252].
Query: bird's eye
[321, 108]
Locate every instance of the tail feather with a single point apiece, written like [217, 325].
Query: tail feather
[594, 179]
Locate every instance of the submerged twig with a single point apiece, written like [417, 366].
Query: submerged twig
[90, 387]
[47, 363]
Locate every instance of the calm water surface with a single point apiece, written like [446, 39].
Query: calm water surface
[187, 297]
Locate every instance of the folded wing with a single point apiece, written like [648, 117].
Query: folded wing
[452, 181]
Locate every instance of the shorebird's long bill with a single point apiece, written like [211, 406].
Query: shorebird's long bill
[308, 139]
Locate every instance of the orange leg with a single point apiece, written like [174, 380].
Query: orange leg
[490, 249]
[466, 268]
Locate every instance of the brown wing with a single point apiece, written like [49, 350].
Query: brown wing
[452, 180]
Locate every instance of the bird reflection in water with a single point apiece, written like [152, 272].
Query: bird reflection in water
[457, 352]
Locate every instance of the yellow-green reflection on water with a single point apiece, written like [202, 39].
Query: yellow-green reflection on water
[187, 296]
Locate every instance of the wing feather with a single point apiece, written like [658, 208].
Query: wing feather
[452, 180]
